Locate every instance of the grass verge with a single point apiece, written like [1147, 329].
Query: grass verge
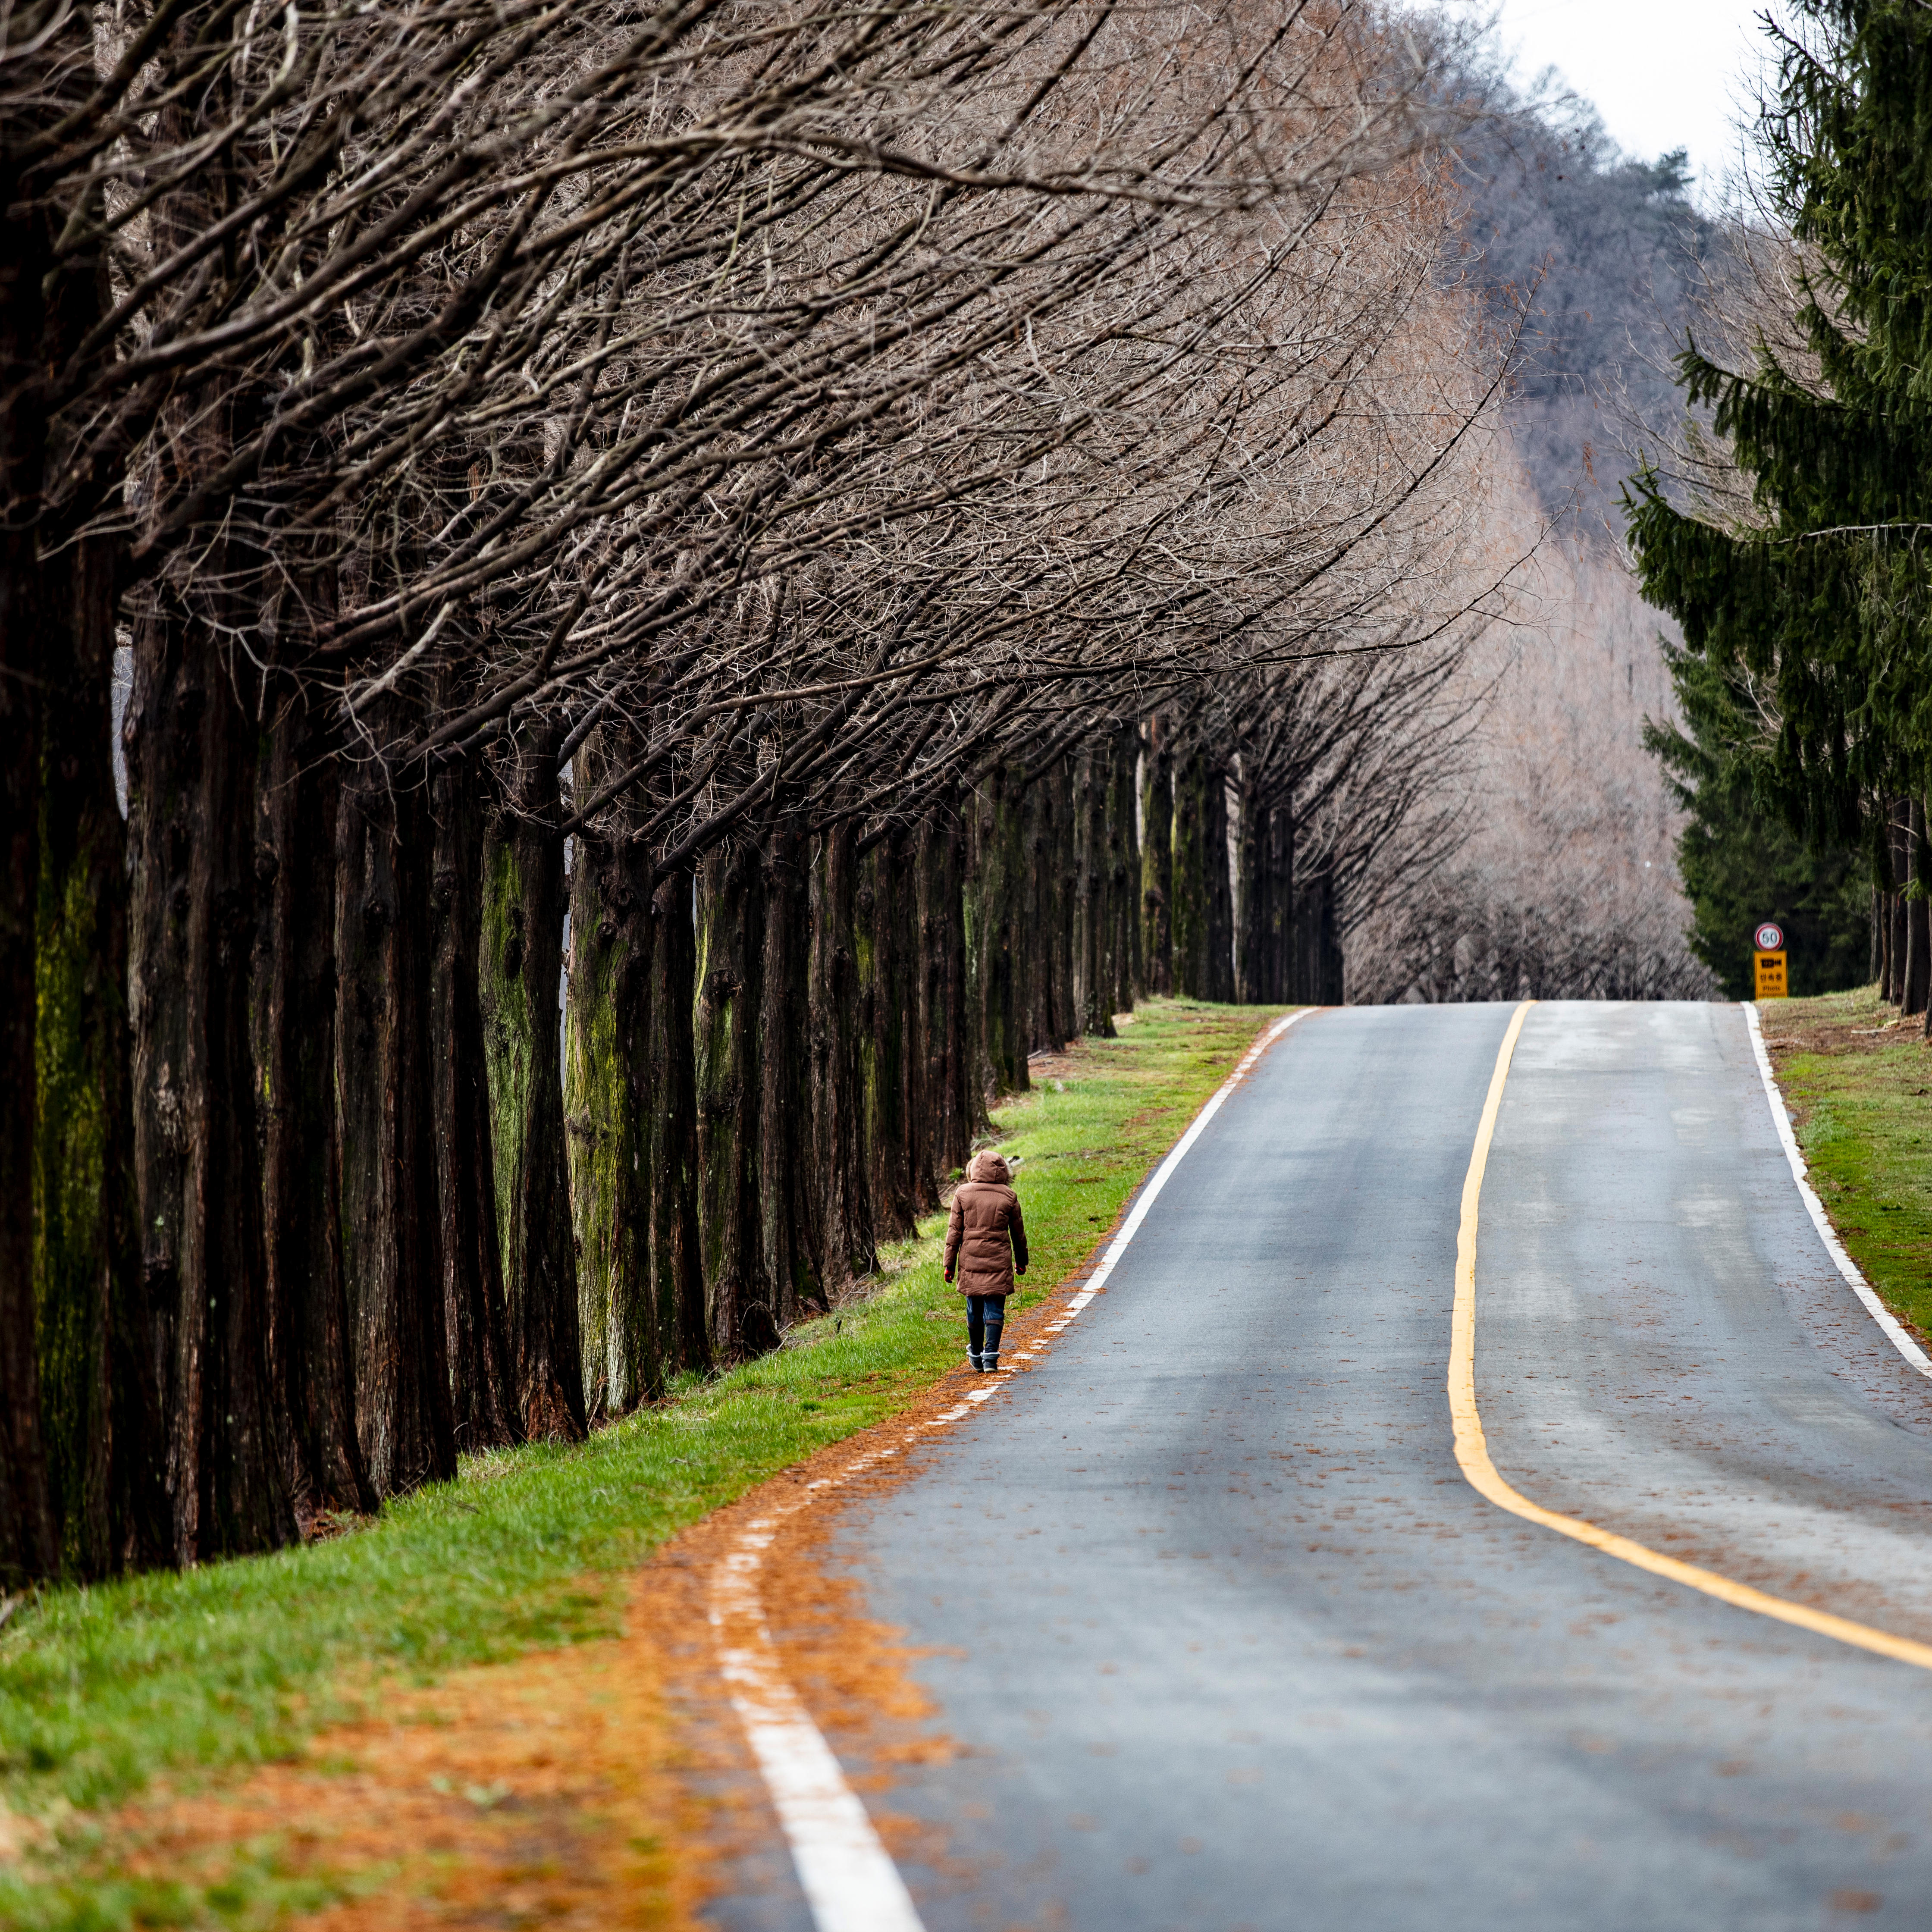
[172, 1679]
[1859, 1081]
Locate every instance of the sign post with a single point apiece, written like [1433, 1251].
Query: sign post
[1768, 942]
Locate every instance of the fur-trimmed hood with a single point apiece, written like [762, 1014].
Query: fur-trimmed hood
[985, 1233]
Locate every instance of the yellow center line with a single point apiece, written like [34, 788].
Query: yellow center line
[1472, 1451]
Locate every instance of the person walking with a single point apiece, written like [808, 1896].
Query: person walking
[986, 1247]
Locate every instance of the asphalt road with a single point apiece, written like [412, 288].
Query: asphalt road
[1229, 1641]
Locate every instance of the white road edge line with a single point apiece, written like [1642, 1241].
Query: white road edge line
[848, 1876]
[1849, 1268]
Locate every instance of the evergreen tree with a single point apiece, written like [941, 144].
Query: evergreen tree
[1741, 863]
[1822, 597]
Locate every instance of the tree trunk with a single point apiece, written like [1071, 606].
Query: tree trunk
[1251, 893]
[677, 1263]
[1062, 904]
[191, 779]
[1896, 847]
[1093, 965]
[1220, 890]
[1318, 965]
[1265, 962]
[310, 1344]
[945, 1030]
[907, 849]
[482, 1371]
[101, 1430]
[884, 1009]
[100, 1425]
[1157, 862]
[606, 1116]
[1124, 881]
[789, 1191]
[392, 1220]
[1040, 888]
[838, 1103]
[790, 1236]
[730, 967]
[1192, 888]
[522, 967]
[993, 905]
[1918, 965]
[31, 1536]
[1279, 938]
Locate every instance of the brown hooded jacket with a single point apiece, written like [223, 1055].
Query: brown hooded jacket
[986, 1236]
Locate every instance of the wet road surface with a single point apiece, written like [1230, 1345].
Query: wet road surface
[1227, 1641]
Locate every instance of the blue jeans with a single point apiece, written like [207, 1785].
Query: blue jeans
[984, 1312]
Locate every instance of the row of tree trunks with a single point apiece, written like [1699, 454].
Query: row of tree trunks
[1202, 893]
[1053, 904]
[384, 1200]
[192, 776]
[316, 1151]
[1265, 902]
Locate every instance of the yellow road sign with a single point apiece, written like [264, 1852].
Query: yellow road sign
[1770, 981]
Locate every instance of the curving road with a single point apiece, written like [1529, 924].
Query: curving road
[1230, 1641]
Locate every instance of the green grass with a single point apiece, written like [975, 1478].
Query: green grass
[1864, 1102]
[103, 1691]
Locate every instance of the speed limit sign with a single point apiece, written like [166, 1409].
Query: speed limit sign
[1770, 937]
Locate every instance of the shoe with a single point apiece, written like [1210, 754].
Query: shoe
[973, 1356]
[990, 1361]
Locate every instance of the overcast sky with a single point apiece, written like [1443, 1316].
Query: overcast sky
[1663, 73]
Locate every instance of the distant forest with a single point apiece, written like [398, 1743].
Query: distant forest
[1612, 253]
[1610, 246]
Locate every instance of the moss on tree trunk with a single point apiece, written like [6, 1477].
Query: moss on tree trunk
[99, 1410]
[522, 969]
[608, 1116]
